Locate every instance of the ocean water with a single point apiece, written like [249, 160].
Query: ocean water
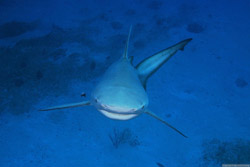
[52, 52]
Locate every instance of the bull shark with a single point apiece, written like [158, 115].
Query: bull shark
[121, 94]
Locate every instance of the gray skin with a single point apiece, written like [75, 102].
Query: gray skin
[121, 94]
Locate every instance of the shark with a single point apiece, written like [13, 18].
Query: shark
[121, 93]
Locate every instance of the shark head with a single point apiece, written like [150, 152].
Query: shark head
[119, 102]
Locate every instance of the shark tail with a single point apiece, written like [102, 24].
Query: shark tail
[84, 103]
[151, 64]
[125, 54]
[166, 123]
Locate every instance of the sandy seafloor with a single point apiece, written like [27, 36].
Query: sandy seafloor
[52, 51]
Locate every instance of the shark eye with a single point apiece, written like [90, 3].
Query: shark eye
[96, 100]
[142, 108]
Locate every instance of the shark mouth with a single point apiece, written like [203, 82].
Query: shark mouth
[117, 112]
[117, 115]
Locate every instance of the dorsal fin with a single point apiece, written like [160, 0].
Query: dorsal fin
[151, 64]
[130, 59]
[125, 54]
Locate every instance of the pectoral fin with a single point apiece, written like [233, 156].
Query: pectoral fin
[156, 117]
[84, 103]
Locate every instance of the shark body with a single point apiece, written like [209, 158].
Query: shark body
[121, 94]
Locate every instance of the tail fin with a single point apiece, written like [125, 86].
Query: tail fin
[84, 103]
[151, 64]
[125, 54]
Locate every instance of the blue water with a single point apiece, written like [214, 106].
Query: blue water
[53, 51]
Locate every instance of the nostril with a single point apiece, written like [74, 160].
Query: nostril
[96, 100]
